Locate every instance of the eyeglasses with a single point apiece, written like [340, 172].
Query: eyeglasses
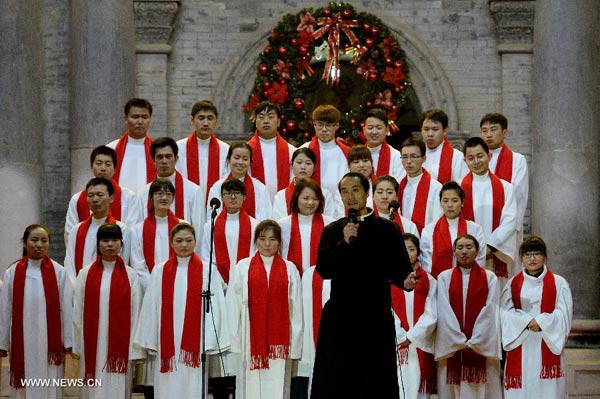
[533, 255]
[412, 157]
[328, 126]
[163, 194]
[231, 194]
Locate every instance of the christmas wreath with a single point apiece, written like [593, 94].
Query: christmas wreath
[343, 43]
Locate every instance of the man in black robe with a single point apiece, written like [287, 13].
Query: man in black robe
[356, 348]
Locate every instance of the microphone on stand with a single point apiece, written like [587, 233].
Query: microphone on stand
[393, 208]
[352, 218]
[214, 205]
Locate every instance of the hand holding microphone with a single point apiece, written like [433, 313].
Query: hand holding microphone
[393, 208]
[214, 205]
[351, 228]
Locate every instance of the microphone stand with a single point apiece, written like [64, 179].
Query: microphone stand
[206, 295]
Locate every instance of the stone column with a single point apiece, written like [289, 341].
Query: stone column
[154, 21]
[514, 32]
[566, 120]
[103, 77]
[22, 123]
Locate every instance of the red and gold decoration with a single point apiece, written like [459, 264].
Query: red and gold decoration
[335, 36]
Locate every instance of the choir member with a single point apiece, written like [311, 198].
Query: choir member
[257, 202]
[171, 318]
[467, 345]
[386, 159]
[490, 202]
[415, 314]
[81, 249]
[35, 317]
[301, 230]
[106, 305]
[303, 166]
[271, 153]
[418, 193]
[356, 256]
[134, 164]
[536, 311]
[505, 163]
[331, 154]
[265, 314]
[234, 231]
[444, 162]
[385, 192]
[202, 156]
[360, 161]
[164, 152]
[437, 253]
[124, 206]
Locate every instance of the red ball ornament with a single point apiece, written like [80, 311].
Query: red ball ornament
[353, 121]
[368, 104]
[262, 69]
[283, 131]
[267, 50]
[374, 31]
[291, 126]
[294, 41]
[346, 13]
[306, 135]
[299, 104]
[398, 64]
[282, 51]
[327, 12]
[303, 50]
[394, 107]
[369, 43]
[366, 27]
[282, 117]
[388, 61]
[266, 85]
[399, 89]
[372, 77]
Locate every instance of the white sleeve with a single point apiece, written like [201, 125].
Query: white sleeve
[513, 321]
[66, 304]
[296, 318]
[556, 325]
[78, 297]
[136, 252]
[6, 295]
[426, 245]
[449, 338]
[72, 217]
[69, 262]
[503, 238]
[235, 308]
[262, 202]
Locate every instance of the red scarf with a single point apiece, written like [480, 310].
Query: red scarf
[295, 248]
[289, 190]
[513, 376]
[119, 318]
[179, 197]
[193, 165]
[420, 205]
[257, 167]
[315, 146]
[243, 247]
[505, 164]
[189, 353]
[80, 239]
[83, 210]
[466, 365]
[383, 164]
[500, 268]
[442, 252]
[120, 150]
[426, 362]
[445, 167]
[317, 303]
[53, 320]
[268, 306]
[250, 201]
[149, 237]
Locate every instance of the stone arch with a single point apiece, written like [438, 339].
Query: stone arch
[429, 80]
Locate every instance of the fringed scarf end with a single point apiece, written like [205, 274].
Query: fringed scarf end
[279, 351]
[551, 372]
[16, 380]
[259, 362]
[474, 375]
[402, 353]
[513, 382]
[426, 385]
[190, 359]
[167, 365]
[55, 358]
[116, 365]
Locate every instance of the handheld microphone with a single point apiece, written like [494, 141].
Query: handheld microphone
[393, 208]
[352, 218]
[214, 205]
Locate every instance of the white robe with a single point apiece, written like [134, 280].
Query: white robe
[114, 385]
[262, 200]
[396, 169]
[305, 366]
[333, 207]
[133, 167]
[189, 196]
[421, 335]
[232, 228]
[184, 381]
[268, 149]
[485, 339]
[35, 328]
[333, 164]
[305, 225]
[432, 163]
[408, 225]
[129, 211]
[433, 209]
[271, 383]
[504, 237]
[427, 242]
[89, 249]
[555, 332]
